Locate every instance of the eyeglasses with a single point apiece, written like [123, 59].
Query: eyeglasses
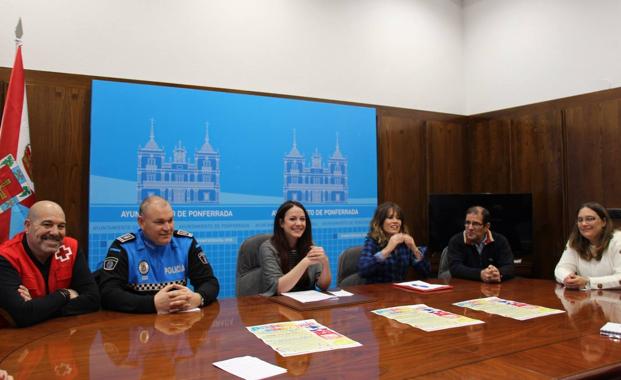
[586, 219]
[473, 224]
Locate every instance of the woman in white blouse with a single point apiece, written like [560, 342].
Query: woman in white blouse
[592, 257]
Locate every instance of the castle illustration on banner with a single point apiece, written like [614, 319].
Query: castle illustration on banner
[179, 181]
[198, 182]
[315, 183]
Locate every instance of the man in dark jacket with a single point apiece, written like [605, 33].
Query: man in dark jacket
[477, 253]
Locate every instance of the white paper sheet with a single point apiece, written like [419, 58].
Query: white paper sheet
[340, 293]
[308, 296]
[612, 330]
[422, 286]
[249, 367]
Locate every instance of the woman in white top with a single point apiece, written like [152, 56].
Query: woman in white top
[592, 257]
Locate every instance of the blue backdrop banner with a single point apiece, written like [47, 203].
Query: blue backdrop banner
[225, 162]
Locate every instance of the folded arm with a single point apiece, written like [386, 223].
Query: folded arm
[26, 313]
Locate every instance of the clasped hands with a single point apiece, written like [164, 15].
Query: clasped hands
[400, 238]
[491, 274]
[575, 281]
[316, 255]
[174, 298]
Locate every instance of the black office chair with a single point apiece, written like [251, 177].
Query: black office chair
[348, 267]
[443, 266]
[248, 274]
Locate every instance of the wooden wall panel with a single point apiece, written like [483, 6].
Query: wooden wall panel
[611, 153]
[593, 151]
[448, 168]
[584, 154]
[537, 167]
[59, 136]
[402, 151]
[489, 150]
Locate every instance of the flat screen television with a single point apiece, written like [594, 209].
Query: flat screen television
[511, 215]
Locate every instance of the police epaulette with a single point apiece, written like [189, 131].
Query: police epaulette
[183, 233]
[125, 238]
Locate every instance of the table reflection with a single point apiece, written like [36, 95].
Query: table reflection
[490, 290]
[396, 332]
[123, 346]
[163, 346]
[592, 348]
[58, 357]
[130, 345]
[578, 304]
[295, 365]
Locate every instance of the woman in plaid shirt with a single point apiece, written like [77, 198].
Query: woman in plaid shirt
[389, 250]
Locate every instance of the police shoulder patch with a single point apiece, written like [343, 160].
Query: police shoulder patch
[125, 238]
[203, 258]
[183, 233]
[110, 263]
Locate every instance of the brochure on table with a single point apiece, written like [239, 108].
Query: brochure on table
[507, 308]
[425, 317]
[301, 337]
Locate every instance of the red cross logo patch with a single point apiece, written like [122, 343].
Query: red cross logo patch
[63, 253]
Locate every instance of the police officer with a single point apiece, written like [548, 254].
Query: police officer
[147, 271]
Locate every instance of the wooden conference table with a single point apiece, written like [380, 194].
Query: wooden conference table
[184, 346]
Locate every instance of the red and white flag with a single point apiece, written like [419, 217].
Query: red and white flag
[16, 186]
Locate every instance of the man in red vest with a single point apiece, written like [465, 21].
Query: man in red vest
[42, 272]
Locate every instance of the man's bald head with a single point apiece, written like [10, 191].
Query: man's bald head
[43, 208]
[156, 219]
[45, 228]
[153, 200]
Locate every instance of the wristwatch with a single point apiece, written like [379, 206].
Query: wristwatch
[202, 300]
[65, 293]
